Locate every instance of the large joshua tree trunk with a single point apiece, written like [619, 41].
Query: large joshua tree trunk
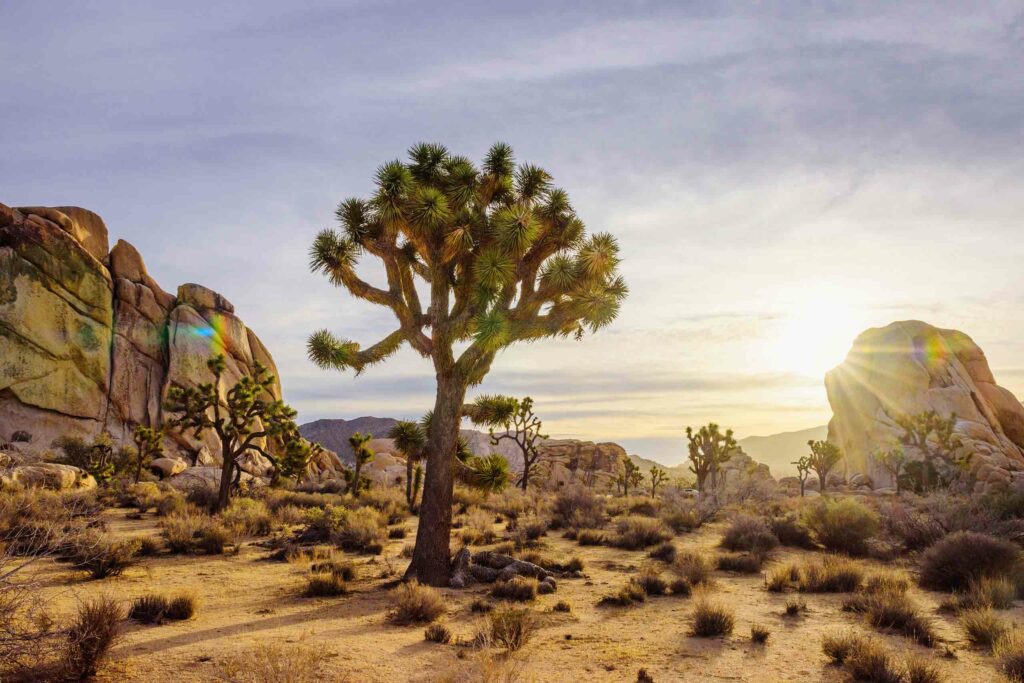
[225, 475]
[430, 559]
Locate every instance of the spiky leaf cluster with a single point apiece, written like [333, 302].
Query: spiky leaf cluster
[500, 250]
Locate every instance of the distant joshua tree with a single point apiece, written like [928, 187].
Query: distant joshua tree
[658, 477]
[630, 476]
[241, 419]
[894, 460]
[933, 437]
[411, 440]
[519, 423]
[504, 258]
[147, 447]
[824, 456]
[803, 470]
[363, 455]
[708, 449]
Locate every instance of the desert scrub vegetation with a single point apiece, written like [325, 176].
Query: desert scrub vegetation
[510, 627]
[276, 663]
[795, 606]
[750, 534]
[759, 633]
[577, 507]
[154, 608]
[518, 589]
[634, 532]
[590, 537]
[710, 618]
[666, 552]
[629, 594]
[843, 526]
[90, 637]
[962, 557]
[865, 659]
[477, 527]
[1009, 655]
[362, 529]
[437, 633]
[248, 517]
[693, 568]
[652, 583]
[416, 603]
[324, 585]
[831, 574]
[781, 579]
[100, 556]
[195, 532]
[742, 563]
[528, 530]
[889, 607]
[790, 531]
[990, 591]
[983, 627]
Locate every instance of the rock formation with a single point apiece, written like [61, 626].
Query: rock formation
[909, 367]
[89, 342]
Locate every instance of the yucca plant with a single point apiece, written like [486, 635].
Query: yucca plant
[363, 455]
[411, 440]
[504, 257]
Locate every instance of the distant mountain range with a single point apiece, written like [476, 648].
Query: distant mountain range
[778, 451]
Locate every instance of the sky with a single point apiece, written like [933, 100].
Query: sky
[780, 175]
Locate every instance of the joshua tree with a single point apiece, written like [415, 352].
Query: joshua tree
[96, 458]
[363, 455]
[411, 440]
[298, 454]
[243, 418]
[520, 426]
[824, 456]
[708, 448]
[630, 476]
[932, 435]
[658, 477]
[147, 447]
[504, 259]
[894, 461]
[803, 470]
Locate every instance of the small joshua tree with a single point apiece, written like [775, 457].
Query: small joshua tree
[894, 460]
[411, 440]
[147, 447]
[363, 455]
[824, 456]
[520, 426]
[709, 447]
[629, 476]
[803, 470]
[503, 258]
[933, 437]
[298, 454]
[243, 418]
[658, 477]
[96, 458]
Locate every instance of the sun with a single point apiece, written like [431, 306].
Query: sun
[814, 332]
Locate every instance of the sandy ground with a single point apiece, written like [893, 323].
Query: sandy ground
[247, 600]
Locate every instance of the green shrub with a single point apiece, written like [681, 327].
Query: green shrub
[965, 556]
[248, 517]
[711, 619]
[843, 526]
[750, 534]
[361, 530]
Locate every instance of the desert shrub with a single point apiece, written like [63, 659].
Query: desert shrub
[843, 526]
[182, 607]
[148, 546]
[480, 606]
[324, 585]
[871, 661]
[990, 591]
[562, 606]
[171, 503]
[289, 515]
[693, 567]
[397, 532]
[142, 496]
[511, 628]
[407, 550]
[652, 583]
[590, 537]
[361, 530]
[792, 532]
[630, 593]
[275, 663]
[839, 646]
[759, 633]
[387, 500]
[192, 532]
[781, 578]
[893, 609]
[751, 534]
[343, 569]
[886, 581]
[248, 517]
[518, 588]
[478, 527]
[794, 606]
[102, 557]
[744, 563]
[277, 498]
[830, 575]
[437, 633]
[90, 637]
[414, 602]
[666, 552]
[710, 619]
[920, 670]
[578, 507]
[1009, 655]
[965, 556]
[681, 515]
[634, 532]
[983, 627]
[148, 609]
[529, 529]
[680, 587]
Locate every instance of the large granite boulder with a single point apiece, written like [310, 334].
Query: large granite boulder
[89, 342]
[910, 367]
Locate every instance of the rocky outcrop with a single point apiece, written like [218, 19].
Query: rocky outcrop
[909, 367]
[564, 461]
[89, 342]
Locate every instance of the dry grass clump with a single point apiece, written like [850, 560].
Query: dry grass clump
[893, 609]
[511, 627]
[480, 606]
[792, 532]
[362, 530]
[148, 546]
[893, 581]
[652, 583]
[634, 532]
[795, 607]
[830, 575]
[343, 569]
[195, 532]
[749, 534]
[843, 526]
[666, 552]
[274, 663]
[710, 619]
[965, 556]
[1009, 655]
[983, 627]
[743, 563]
[692, 567]
[90, 638]
[529, 529]
[759, 634]
[681, 516]
[438, 633]
[562, 606]
[182, 607]
[155, 608]
[325, 585]
[590, 537]
[630, 593]
[396, 533]
[782, 578]
[171, 503]
[863, 658]
[248, 517]
[415, 603]
[680, 587]
[389, 501]
[993, 592]
[577, 507]
[920, 670]
[100, 556]
[478, 527]
[518, 588]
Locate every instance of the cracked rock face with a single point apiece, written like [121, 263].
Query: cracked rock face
[90, 342]
[909, 367]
